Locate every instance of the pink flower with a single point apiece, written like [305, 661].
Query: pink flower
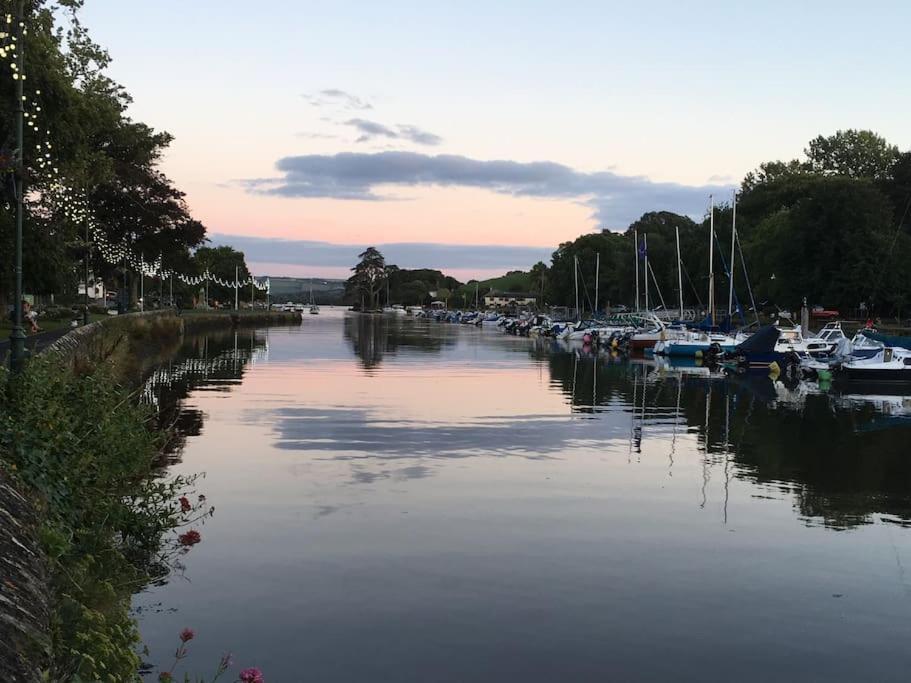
[187, 634]
[252, 675]
[192, 537]
[185, 505]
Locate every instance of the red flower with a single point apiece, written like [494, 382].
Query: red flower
[192, 537]
[185, 505]
[187, 634]
[252, 675]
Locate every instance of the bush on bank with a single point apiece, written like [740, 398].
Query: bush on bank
[82, 444]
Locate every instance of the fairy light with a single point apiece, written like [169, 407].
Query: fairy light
[74, 204]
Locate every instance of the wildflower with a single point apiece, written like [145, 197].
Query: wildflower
[165, 677]
[187, 634]
[226, 661]
[252, 675]
[185, 505]
[192, 537]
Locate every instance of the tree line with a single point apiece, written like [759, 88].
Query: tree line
[83, 137]
[831, 227]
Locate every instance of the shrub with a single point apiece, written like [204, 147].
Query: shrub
[84, 446]
[59, 313]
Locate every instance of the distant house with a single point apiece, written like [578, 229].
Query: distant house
[495, 299]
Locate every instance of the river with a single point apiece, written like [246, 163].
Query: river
[400, 500]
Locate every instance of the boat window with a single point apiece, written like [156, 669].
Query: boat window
[887, 355]
[907, 360]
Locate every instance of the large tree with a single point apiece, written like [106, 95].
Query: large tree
[369, 276]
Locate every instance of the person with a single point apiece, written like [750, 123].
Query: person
[29, 317]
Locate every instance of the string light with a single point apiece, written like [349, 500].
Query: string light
[74, 204]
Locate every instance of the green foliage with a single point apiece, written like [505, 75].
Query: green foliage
[83, 445]
[852, 153]
[369, 276]
[222, 262]
[97, 148]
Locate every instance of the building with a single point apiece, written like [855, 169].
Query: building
[495, 299]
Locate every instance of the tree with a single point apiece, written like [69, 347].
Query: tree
[538, 280]
[853, 153]
[369, 276]
[221, 262]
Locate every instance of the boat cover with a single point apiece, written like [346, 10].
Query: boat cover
[761, 341]
[888, 339]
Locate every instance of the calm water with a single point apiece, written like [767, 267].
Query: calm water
[413, 501]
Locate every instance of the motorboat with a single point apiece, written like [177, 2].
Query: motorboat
[695, 344]
[827, 341]
[891, 365]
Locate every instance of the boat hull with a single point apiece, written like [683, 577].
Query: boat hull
[692, 350]
[876, 375]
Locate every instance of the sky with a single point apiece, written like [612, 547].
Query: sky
[477, 136]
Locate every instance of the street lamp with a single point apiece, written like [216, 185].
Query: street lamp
[17, 335]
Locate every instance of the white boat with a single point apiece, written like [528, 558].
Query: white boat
[890, 365]
[314, 309]
[827, 341]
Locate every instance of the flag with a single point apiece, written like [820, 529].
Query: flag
[642, 249]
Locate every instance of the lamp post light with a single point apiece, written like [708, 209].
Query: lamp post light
[17, 335]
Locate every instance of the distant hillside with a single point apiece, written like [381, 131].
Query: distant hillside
[297, 289]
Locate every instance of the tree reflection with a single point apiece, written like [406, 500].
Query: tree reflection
[372, 336]
[844, 462]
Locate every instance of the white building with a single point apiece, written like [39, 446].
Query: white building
[495, 299]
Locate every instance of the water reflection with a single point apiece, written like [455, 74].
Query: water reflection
[374, 336]
[843, 457]
[213, 361]
[418, 489]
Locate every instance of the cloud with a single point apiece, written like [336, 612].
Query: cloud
[616, 200]
[337, 98]
[370, 130]
[403, 254]
[318, 136]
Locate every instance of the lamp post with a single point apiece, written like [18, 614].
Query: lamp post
[85, 299]
[17, 335]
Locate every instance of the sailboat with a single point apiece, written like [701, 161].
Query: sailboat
[696, 344]
[314, 309]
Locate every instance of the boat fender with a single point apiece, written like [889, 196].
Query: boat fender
[587, 338]
[774, 369]
[699, 353]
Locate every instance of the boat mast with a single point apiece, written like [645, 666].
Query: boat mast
[636, 258]
[477, 287]
[679, 271]
[597, 274]
[576, 281]
[645, 249]
[711, 261]
[733, 244]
